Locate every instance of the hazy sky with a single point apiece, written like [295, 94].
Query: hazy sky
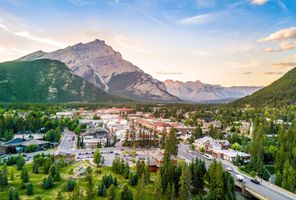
[228, 42]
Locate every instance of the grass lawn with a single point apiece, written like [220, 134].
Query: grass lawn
[50, 194]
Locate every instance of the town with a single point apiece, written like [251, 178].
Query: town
[133, 135]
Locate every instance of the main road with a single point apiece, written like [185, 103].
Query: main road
[266, 189]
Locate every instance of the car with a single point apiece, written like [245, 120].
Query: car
[240, 178]
[255, 181]
[229, 169]
[208, 157]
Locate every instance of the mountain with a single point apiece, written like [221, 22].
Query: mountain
[282, 92]
[100, 65]
[46, 81]
[199, 92]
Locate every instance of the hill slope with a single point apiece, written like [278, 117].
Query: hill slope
[200, 92]
[280, 93]
[46, 81]
[102, 66]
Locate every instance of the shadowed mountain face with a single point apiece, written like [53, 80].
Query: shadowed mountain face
[282, 92]
[47, 81]
[100, 65]
[201, 93]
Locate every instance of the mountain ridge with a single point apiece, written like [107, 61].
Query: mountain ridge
[198, 92]
[102, 66]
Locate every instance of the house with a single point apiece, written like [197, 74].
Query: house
[156, 158]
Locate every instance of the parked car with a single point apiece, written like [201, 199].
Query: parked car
[208, 157]
[255, 181]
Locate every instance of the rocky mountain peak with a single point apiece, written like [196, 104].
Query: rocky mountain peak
[99, 64]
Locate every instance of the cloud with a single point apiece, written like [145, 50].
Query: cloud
[284, 34]
[49, 41]
[168, 73]
[272, 73]
[286, 39]
[284, 65]
[196, 20]
[29, 36]
[283, 46]
[247, 73]
[258, 2]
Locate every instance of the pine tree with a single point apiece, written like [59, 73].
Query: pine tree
[59, 196]
[102, 190]
[25, 175]
[11, 175]
[71, 185]
[185, 184]
[171, 145]
[54, 172]
[13, 194]
[215, 179]
[20, 162]
[173, 195]
[97, 157]
[35, 168]
[111, 195]
[140, 187]
[29, 188]
[3, 176]
[146, 174]
[89, 184]
[126, 194]
[158, 190]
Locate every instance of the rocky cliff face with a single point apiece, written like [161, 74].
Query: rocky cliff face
[99, 64]
[200, 92]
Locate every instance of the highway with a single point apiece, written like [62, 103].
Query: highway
[266, 189]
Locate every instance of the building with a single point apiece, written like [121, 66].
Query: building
[229, 154]
[60, 115]
[219, 149]
[156, 158]
[92, 137]
[17, 145]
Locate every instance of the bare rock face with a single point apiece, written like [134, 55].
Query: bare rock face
[199, 92]
[105, 68]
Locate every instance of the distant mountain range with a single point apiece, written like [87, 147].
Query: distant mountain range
[282, 92]
[45, 80]
[94, 72]
[100, 65]
[199, 92]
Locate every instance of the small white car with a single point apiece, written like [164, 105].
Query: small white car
[229, 169]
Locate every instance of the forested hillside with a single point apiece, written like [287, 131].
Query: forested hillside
[280, 93]
[46, 81]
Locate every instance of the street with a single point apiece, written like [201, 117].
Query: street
[266, 189]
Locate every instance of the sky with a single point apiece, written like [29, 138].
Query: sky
[226, 42]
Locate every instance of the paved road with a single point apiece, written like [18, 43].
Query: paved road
[266, 189]
[68, 143]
